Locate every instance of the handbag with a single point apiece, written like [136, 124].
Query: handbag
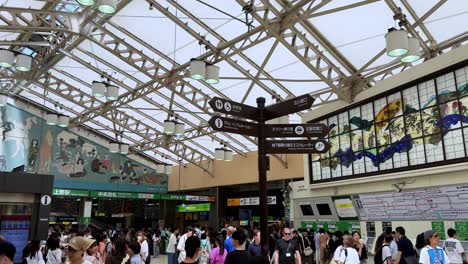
[307, 250]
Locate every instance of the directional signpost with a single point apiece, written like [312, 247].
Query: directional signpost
[263, 131]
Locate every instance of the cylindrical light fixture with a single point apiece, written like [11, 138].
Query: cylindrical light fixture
[112, 92]
[179, 129]
[160, 168]
[99, 89]
[168, 169]
[219, 154]
[396, 42]
[51, 119]
[169, 127]
[3, 99]
[124, 148]
[212, 74]
[23, 62]
[63, 121]
[413, 51]
[228, 155]
[85, 2]
[114, 147]
[107, 6]
[197, 69]
[7, 57]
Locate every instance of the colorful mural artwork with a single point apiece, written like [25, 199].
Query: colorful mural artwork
[421, 124]
[76, 162]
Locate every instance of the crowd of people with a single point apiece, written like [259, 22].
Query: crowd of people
[232, 245]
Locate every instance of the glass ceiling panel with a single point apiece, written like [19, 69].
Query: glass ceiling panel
[34, 4]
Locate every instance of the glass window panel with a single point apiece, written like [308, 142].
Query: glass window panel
[430, 119]
[400, 160]
[413, 123]
[465, 133]
[357, 141]
[427, 94]
[358, 166]
[325, 164]
[380, 109]
[315, 157]
[416, 153]
[383, 134]
[463, 108]
[397, 129]
[388, 163]
[347, 170]
[450, 115]
[335, 145]
[370, 167]
[434, 150]
[395, 106]
[335, 167]
[343, 122]
[316, 171]
[344, 141]
[369, 139]
[462, 80]
[333, 125]
[410, 99]
[446, 87]
[355, 117]
[367, 114]
[453, 143]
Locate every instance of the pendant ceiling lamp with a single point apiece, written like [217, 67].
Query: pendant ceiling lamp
[168, 169]
[85, 2]
[179, 129]
[197, 69]
[107, 6]
[219, 154]
[228, 155]
[99, 89]
[212, 74]
[51, 119]
[23, 62]
[396, 42]
[3, 99]
[169, 127]
[112, 92]
[7, 58]
[114, 147]
[160, 168]
[63, 121]
[124, 149]
[413, 51]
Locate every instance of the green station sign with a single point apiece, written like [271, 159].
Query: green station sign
[193, 208]
[68, 192]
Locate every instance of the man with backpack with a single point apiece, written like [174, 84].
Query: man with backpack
[349, 254]
[384, 253]
[406, 253]
[453, 247]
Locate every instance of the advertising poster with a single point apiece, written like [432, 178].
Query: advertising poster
[16, 230]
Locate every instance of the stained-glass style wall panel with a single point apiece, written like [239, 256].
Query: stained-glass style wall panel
[421, 124]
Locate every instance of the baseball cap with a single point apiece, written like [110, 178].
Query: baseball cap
[428, 234]
[80, 243]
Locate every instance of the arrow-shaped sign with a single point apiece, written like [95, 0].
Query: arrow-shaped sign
[296, 130]
[291, 106]
[296, 146]
[232, 108]
[233, 126]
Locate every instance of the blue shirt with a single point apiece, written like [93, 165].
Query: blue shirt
[136, 259]
[228, 245]
[255, 250]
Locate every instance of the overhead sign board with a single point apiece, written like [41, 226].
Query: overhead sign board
[296, 146]
[233, 126]
[232, 108]
[296, 130]
[291, 106]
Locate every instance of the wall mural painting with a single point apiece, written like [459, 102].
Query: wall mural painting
[421, 124]
[75, 161]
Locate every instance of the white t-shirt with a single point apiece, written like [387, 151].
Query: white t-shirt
[424, 257]
[454, 249]
[172, 244]
[181, 248]
[352, 258]
[54, 256]
[144, 248]
[386, 252]
[394, 249]
[337, 253]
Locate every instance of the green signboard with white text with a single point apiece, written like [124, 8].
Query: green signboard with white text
[193, 208]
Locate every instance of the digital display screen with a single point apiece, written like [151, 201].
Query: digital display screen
[324, 209]
[306, 209]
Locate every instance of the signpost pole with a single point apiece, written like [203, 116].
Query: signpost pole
[262, 177]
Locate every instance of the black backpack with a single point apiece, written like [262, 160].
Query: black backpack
[378, 256]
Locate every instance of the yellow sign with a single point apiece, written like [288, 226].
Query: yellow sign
[233, 202]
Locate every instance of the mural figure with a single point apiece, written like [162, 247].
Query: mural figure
[18, 133]
[3, 163]
[46, 153]
[33, 154]
[78, 169]
[107, 163]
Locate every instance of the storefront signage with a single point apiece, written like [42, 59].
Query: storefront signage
[124, 195]
[344, 207]
[193, 208]
[462, 230]
[66, 219]
[173, 197]
[249, 201]
[439, 228]
[67, 192]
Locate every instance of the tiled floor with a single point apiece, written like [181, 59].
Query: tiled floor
[162, 259]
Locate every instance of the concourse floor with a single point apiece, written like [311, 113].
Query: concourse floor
[162, 259]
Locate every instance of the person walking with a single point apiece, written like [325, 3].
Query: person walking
[35, 254]
[54, 253]
[287, 249]
[255, 247]
[156, 241]
[219, 253]
[453, 247]
[360, 247]
[181, 245]
[171, 246]
[431, 253]
[348, 254]
[118, 254]
[406, 253]
[205, 250]
[76, 248]
[239, 255]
